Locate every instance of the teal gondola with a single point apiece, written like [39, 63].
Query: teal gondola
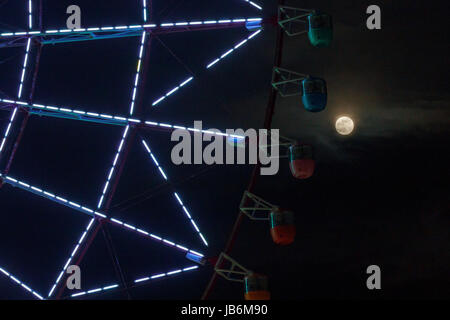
[320, 31]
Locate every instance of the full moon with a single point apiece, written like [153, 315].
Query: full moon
[344, 125]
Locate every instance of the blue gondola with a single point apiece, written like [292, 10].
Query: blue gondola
[314, 96]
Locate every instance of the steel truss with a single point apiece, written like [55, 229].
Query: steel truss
[35, 39]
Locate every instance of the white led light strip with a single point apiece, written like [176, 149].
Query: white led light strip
[209, 65]
[75, 250]
[113, 167]
[136, 83]
[144, 9]
[20, 283]
[254, 4]
[183, 207]
[49, 195]
[118, 119]
[156, 276]
[95, 290]
[138, 72]
[30, 14]
[125, 133]
[22, 78]
[161, 275]
[172, 91]
[55, 198]
[137, 27]
[237, 46]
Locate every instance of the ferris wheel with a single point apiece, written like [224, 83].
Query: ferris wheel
[23, 105]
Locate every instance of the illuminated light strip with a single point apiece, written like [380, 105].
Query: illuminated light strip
[172, 91]
[20, 283]
[154, 237]
[182, 206]
[77, 246]
[254, 4]
[144, 5]
[125, 133]
[138, 72]
[120, 120]
[24, 186]
[113, 167]
[30, 14]
[156, 276]
[211, 63]
[19, 94]
[232, 49]
[161, 275]
[130, 27]
[78, 112]
[94, 290]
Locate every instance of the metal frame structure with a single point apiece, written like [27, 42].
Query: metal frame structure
[283, 142]
[256, 208]
[290, 19]
[235, 272]
[289, 83]
[34, 39]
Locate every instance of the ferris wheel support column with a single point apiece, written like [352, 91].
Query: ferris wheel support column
[267, 124]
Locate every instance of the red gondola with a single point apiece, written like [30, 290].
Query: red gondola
[282, 227]
[256, 287]
[301, 160]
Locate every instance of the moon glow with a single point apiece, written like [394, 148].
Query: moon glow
[344, 125]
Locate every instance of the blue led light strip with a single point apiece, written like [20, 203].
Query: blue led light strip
[20, 283]
[110, 118]
[183, 207]
[209, 65]
[137, 27]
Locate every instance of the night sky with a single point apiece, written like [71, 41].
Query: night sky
[378, 196]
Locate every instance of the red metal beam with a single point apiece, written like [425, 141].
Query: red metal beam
[267, 125]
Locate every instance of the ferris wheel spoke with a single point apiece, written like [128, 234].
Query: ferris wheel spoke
[55, 36]
[137, 282]
[20, 283]
[209, 65]
[179, 201]
[85, 210]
